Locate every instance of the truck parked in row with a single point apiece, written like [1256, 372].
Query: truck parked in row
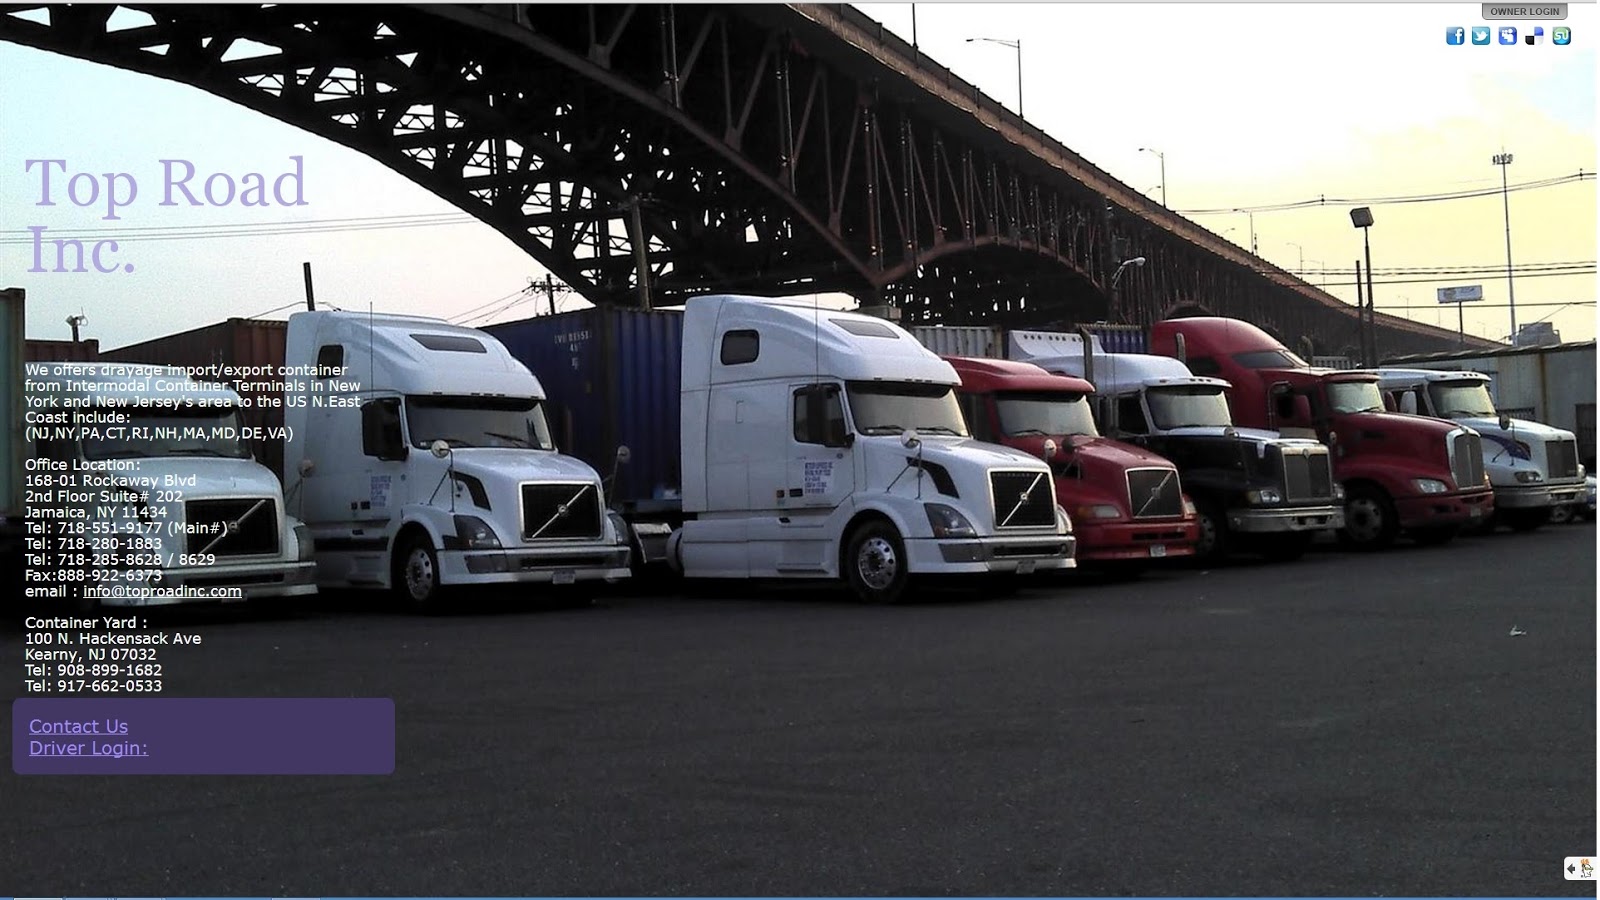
[1255, 491]
[1532, 467]
[1127, 504]
[1400, 472]
[160, 459]
[811, 444]
[421, 458]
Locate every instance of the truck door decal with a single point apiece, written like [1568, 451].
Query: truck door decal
[818, 476]
[379, 494]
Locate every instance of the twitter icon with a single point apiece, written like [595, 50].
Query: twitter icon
[1480, 35]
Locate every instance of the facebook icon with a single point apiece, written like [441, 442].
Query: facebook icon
[1455, 35]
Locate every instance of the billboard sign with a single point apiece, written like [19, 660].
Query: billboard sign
[1461, 294]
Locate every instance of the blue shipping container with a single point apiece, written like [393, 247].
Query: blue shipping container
[1120, 338]
[612, 377]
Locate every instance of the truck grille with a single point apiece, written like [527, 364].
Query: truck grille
[236, 526]
[1307, 475]
[560, 511]
[1154, 492]
[1467, 466]
[1022, 499]
[1563, 458]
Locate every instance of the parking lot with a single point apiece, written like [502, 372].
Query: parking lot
[1347, 724]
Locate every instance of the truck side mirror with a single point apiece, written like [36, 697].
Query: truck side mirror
[1505, 422]
[440, 448]
[1049, 449]
[307, 466]
[624, 455]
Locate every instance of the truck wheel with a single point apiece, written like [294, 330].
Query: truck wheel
[1526, 519]
[1561, 515]
[1286, 547]
[875, 563]
[1212, 543]
[1370, 522]
[416, 574]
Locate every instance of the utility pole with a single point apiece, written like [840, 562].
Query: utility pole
[1503, 160]
[550, 292]
[1361, 317]
[311, 298]
[640, 254]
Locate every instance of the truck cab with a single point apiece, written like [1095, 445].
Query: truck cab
[1255, 491]
[1127, 503]
[825, 444]
[419, 454]
[1400, 472]
[158, 463]
[1532, 467]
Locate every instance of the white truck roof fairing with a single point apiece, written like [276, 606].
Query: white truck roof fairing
[1029, 346]
[1389, 379]
[129, 384]
[1118, 373]
[800, 340]
[412, 355]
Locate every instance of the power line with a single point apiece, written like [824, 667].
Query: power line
[1475, 305]
[1325, 200]
[1441, 280]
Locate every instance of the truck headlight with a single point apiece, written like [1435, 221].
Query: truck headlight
[1189, 509]
[302, 539]
[1098, 511]
[1265, 495]
[946, 522]
[475, 534]
[1063, 521]
[1338, 491]
[1525, 476]
[1430, 485]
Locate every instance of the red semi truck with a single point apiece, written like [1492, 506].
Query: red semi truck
[1400, 472]
[1127, 504]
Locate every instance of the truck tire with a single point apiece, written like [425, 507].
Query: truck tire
[416, 574]
[1370, 520]
[1211, 544]
[1561, 515]
[875, 563]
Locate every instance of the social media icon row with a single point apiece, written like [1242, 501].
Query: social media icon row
[1481, 34]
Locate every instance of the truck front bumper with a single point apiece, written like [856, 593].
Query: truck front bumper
[1018, 555]
[223, 582]
[1526, 496]
[1100, 541]
[1294, 518]
[1451, 508]
[604, 562]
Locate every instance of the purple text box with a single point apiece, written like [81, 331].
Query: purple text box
[195, 736]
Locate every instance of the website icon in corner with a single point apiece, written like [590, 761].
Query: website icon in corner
[1508, 35]
[1561, 34]
[1454, 35]
[1578, 868]
[1480, 35]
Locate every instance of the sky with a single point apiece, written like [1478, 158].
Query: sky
[1249, 105]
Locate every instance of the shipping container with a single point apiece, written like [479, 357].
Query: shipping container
[1552, 384]
[63, 351]
[238, 344]
[612, 378]
[12, 327]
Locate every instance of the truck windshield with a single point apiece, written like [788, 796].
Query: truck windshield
[150, 431]
[478, 422]
[1346, 397]
[1046, 413]
[1269, 359]
[890, 407]
[1461, 399]
[1188, 406]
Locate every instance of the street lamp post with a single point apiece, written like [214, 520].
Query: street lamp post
[1302, 258]
[1116, 308]
[1503, 160]
[1361, 217]
[1017, 46]
[1252, 215]
[1163, 157]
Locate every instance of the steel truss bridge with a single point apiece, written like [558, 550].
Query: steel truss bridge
[768, 149]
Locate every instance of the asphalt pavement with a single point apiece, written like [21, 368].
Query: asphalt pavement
[1347, 724]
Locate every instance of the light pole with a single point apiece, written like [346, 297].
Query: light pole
[1503, 160]
[1116, 308]
[1017, 46]
[1252, 215]
[1302, 257]
[1361, 217]
[1163, 157]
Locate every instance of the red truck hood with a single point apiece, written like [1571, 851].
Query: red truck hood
[1083, 449]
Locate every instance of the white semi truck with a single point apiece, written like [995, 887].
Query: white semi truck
[421, 458]
[156, 469]
[1533, 467]
[825, 444]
